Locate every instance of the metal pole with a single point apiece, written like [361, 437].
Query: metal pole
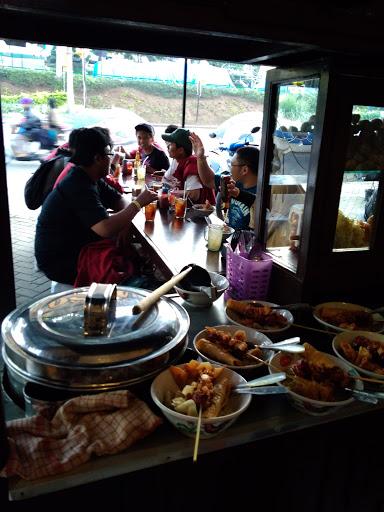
[184, 92]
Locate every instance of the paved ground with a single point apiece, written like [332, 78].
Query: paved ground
[29, 282]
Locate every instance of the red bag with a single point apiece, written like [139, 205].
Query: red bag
[103, 262]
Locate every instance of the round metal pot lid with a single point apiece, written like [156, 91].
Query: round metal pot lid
[52, 329]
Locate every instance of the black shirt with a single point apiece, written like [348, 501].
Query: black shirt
[64, 224]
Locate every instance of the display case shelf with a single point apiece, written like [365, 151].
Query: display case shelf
[319, 199]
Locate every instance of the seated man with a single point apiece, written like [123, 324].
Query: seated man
[192, 172]
[75, 212]
[242, 187]
[152, 156]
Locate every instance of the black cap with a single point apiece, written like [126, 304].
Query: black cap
[145, 127]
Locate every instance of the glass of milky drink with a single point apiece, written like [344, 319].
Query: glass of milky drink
[214, 236]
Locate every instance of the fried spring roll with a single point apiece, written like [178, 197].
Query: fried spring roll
[216, 353]
[221, 392]
[312, 389]
[248, 310]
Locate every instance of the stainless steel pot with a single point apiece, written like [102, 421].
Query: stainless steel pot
[44, 343]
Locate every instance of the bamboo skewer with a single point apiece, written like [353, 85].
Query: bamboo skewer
[197, 437]
[314, 329]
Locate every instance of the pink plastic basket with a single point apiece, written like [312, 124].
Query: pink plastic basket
[248, 279]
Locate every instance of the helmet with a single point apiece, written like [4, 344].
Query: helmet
[26, 101]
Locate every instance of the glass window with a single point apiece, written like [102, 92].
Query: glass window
[224, 102]
[363, 165]
[295, 123]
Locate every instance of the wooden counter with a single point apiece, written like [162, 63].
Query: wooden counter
[267, 417]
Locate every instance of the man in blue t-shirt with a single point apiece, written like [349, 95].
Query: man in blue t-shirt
[242, 187]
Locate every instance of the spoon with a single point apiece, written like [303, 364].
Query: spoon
[288, 341]
[363, 396]
[263, 381]
[292, 349]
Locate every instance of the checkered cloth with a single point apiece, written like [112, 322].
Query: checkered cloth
[100, 424]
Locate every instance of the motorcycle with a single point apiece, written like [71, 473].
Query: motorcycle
[220, 157]
[25, 149]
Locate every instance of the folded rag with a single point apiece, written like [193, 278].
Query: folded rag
[100, 424]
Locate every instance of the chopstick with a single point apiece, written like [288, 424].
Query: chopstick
[197, 438]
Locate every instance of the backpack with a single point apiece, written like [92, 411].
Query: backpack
[41, 182]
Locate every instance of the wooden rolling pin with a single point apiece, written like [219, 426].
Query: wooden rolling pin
[154, 296]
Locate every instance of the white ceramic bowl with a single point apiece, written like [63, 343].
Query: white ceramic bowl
[234, 319]
[309, 405]
[200, 210]
[377, 327]
[349, 336]
[200, 298]
[164, 384]
[257, 338]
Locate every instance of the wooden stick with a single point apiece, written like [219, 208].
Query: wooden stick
[368, 379]
[197, 438]
[314, 329]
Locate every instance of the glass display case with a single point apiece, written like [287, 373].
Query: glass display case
[292, 145]
[318, 207]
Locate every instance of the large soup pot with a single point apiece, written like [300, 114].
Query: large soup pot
[46, 343]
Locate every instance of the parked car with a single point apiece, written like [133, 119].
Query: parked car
[121, 122]
[239, 127]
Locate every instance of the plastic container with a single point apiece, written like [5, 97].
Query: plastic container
[248, 279]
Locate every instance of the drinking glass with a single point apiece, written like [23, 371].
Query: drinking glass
[141, 172]
[172, 194]
[180, 207]
[214, 236]
[150, 211]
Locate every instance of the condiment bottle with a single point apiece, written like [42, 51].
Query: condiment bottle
[117, 170]
[137, 161]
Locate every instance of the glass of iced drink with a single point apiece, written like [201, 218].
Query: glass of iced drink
[180, 207]
[150, 211]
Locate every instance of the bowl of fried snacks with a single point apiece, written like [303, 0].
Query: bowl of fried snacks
[232, 347]
[343, 316]
[363, 350]
[203, 210]
[180, 391]
[316, 381]
[258, 315]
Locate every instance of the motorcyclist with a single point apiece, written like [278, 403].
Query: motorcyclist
[31, 128]
[30, 121]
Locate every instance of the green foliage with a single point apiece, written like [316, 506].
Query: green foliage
[368, 113]
[39, 98]
[30, 79]
[298, 107]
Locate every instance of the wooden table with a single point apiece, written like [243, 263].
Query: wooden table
[174, 243]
